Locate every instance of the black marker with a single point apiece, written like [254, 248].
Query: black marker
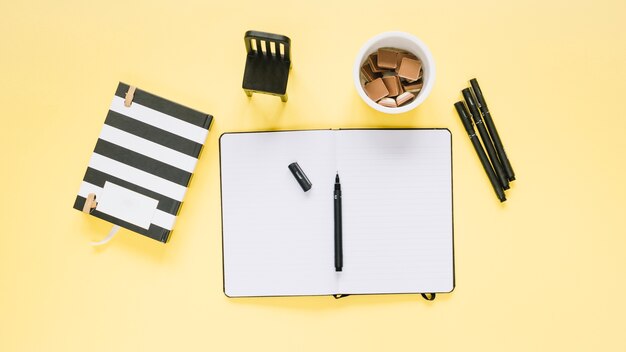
[482, 105]
[478, 121]
[338, 235]
[467, 123]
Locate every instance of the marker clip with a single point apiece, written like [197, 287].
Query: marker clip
[129, 96]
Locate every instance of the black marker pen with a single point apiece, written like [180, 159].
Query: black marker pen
[338, 227]
[478, 121]
[482, 105]
[467, 123]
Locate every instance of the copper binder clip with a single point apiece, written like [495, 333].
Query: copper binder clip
[90, 203]
[129, 96]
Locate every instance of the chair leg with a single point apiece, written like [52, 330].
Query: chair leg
[248, 93]
[283, 98]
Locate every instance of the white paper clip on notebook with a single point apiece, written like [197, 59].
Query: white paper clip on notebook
[141, 166]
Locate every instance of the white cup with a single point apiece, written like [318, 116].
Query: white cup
[398, 40]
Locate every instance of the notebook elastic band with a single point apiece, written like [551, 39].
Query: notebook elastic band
[109, 237]
[429, 298]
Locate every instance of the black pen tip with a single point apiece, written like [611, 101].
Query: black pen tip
[337, 178]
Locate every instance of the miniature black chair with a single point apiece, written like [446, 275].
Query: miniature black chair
[267, 64]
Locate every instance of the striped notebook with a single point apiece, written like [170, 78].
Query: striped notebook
[143, 162]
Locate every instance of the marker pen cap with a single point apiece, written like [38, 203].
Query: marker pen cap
[479, 94]
[462, 111]
[300, 176]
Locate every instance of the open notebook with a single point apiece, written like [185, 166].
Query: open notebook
[397, 212]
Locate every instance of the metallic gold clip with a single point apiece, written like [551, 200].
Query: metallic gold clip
[90, 203]
[129, 96]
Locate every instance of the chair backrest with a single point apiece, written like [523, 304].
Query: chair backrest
[268, 44]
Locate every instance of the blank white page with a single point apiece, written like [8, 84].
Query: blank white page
[397, 211]
[277, 239]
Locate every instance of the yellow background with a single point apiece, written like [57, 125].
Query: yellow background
[543, 271]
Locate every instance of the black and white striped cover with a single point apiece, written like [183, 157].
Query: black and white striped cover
[150, 148]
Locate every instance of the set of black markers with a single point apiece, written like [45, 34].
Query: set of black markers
[495, 162]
